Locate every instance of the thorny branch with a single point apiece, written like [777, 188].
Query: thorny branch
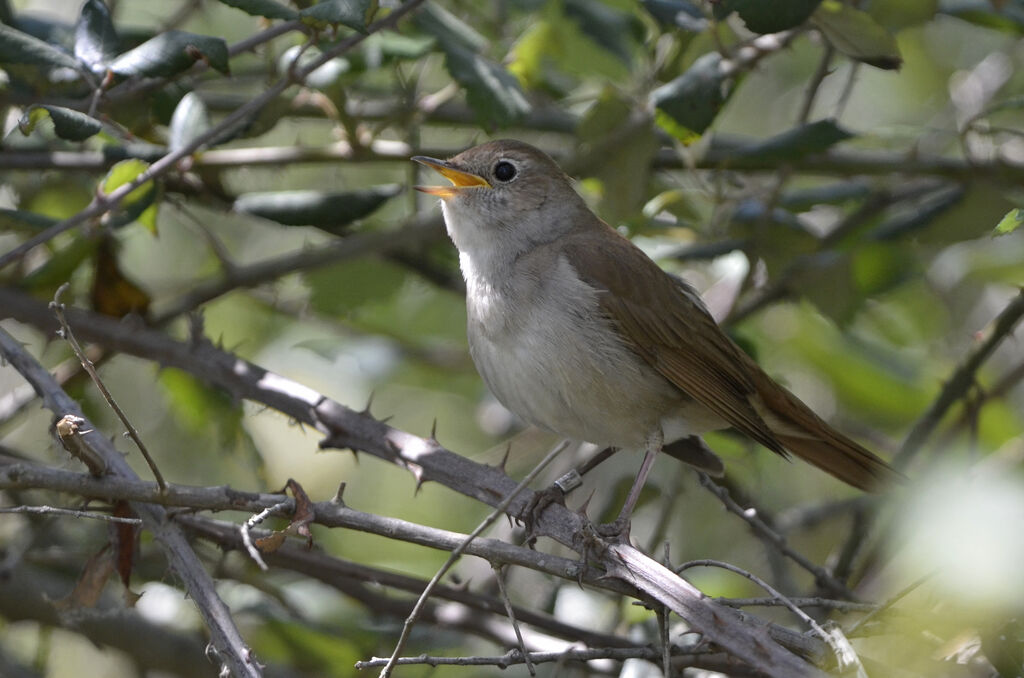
[430, 461]
[226, 638]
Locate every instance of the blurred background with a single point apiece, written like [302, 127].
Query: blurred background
[840, 180]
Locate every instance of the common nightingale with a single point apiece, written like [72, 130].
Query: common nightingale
[577, 331]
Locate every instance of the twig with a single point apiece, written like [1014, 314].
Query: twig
[819, 76]
[960, 381]
[417, 232]
[822, 576]
[741, 635]
[512, 618]
[457, 553]
[902, 593]
[224, 634]
[844, 97]
[53, 510]
[722, 152]
[252, 522]
[514, 657]
[58, 310]
[825, 603]
[841, 650]
[343, 574]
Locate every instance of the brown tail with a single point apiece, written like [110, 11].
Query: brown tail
[806, 435]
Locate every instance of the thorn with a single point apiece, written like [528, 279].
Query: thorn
[504, 459]
[337, 498]
[417, 472]
[433, 431]
[369, 403]
[386, 419]
[582, 510]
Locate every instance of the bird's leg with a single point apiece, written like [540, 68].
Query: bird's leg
[557, 491]
[620, 526]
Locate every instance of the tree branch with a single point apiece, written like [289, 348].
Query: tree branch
[224, 634]
[960, 381]
[428, 460]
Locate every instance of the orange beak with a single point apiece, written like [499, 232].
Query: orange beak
[459, 178]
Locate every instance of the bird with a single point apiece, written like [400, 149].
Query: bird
[577, 331]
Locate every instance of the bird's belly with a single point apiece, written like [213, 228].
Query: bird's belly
[571, 379]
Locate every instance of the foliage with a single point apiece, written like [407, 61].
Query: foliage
[840, 179]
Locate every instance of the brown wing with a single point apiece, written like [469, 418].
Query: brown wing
[669, 328]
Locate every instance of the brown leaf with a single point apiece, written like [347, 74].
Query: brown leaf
[89, 586]
[304, 512]
[112, 292]
[125, 535]
[271, 542]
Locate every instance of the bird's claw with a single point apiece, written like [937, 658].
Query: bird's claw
[531, 514]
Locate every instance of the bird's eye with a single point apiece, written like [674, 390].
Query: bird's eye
[504, 171]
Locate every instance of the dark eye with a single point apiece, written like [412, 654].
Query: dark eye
[504, 171]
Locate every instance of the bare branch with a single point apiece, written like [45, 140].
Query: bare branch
[430, 461]
[58, 310]
[960, 381]
[417, 232]
[461, 548]
[680, 660]
[183, 560]
[73, 513]
[822, 576]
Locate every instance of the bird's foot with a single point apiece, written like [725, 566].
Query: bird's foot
[616, 531]
[531, 514]
[554, 494]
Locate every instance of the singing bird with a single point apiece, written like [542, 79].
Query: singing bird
[577, 331]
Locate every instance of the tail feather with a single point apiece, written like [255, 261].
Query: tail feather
[806, 435]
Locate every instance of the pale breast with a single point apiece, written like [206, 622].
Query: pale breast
[546, 352]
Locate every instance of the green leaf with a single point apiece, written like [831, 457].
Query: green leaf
[170, 53]
[324, 77]
[328, 211]
[24, 220]
[140, 204]
[189, 121]
[1009, 18]
[398, 46]
[827, 194]
[448, 28]
[857, 35]
[1011, 222]
[345, 288]
[919, 215]
[21, 48]
[267, 8]
[899, 14]
[694, 98]
[200, 408]
[796, 143]
[615, 31]
[491, 91]
[352, 13]
[768, 17]
[96, 41]
[677, 13]
[67, 123]
[625, 173]
[59, 268]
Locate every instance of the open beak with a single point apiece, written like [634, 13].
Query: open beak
[459, 179]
